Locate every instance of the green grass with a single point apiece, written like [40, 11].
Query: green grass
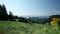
[10, 27]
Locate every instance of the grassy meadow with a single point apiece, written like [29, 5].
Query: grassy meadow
[11, 27]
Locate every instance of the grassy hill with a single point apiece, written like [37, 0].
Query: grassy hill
[10, 27]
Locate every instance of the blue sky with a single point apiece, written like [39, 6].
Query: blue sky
[32, 7]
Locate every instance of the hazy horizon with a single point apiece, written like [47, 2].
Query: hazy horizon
[32, 7]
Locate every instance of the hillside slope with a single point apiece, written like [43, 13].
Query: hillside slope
[10, 27]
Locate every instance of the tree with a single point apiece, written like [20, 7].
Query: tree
[10, 15]
[0, 12]
[21, 19]
[15, 17]
[3, 12]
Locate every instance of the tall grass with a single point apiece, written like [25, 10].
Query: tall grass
[10, 27]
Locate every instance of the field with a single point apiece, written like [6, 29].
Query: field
[11, 27]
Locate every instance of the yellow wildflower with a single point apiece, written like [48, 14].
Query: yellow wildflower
[53, 22]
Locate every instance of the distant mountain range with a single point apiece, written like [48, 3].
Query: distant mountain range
[38, 18]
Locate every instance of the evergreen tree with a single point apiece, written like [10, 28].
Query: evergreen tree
[3, 12]
[10, 15]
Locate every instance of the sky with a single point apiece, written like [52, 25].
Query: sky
[32, 7]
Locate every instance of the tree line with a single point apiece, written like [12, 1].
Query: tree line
[5, 16]
[3, 12]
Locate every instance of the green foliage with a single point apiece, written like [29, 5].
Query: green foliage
[3, 12]
[10, 16]
[21, 19]
[10, 27]
[53, 16]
